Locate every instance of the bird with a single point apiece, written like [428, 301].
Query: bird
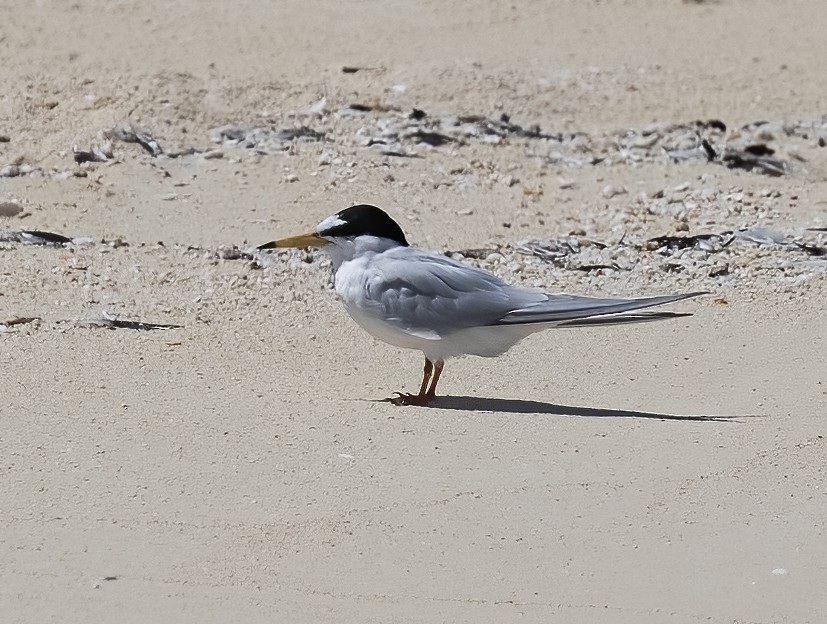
[416, 299]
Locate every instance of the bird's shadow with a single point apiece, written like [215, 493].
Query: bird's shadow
[521, 406]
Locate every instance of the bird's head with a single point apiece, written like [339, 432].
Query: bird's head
[346, 227]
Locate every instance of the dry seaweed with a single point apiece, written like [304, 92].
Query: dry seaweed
[39, 237]
[108, 323]
[129, 132]
[705, 242]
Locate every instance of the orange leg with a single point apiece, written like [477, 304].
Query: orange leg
[426, 377]
[427, 389]
[438, 366]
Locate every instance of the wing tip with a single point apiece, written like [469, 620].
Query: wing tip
[611, 310]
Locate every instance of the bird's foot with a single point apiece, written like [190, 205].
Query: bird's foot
[405, 398]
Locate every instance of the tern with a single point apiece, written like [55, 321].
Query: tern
[421, 300]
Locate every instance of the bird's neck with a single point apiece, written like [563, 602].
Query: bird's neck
[347, 249]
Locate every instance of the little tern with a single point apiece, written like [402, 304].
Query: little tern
[420, 300]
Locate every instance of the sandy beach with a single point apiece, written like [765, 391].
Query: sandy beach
[192, 430]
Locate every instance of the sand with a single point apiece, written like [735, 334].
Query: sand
[239, 468]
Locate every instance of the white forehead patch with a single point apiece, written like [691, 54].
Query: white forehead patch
[331, 222]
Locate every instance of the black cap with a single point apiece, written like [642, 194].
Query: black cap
[366, 220]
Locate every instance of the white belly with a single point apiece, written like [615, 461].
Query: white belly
[389, 333]
[481, 341]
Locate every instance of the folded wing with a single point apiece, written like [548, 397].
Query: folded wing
[430, 296]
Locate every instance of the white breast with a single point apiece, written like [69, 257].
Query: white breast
[351, 285]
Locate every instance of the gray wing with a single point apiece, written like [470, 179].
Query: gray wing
[426, 294]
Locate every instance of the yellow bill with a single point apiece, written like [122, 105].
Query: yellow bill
[310, 239]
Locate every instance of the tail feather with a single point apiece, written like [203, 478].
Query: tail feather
[621, 319]
[574, 311]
